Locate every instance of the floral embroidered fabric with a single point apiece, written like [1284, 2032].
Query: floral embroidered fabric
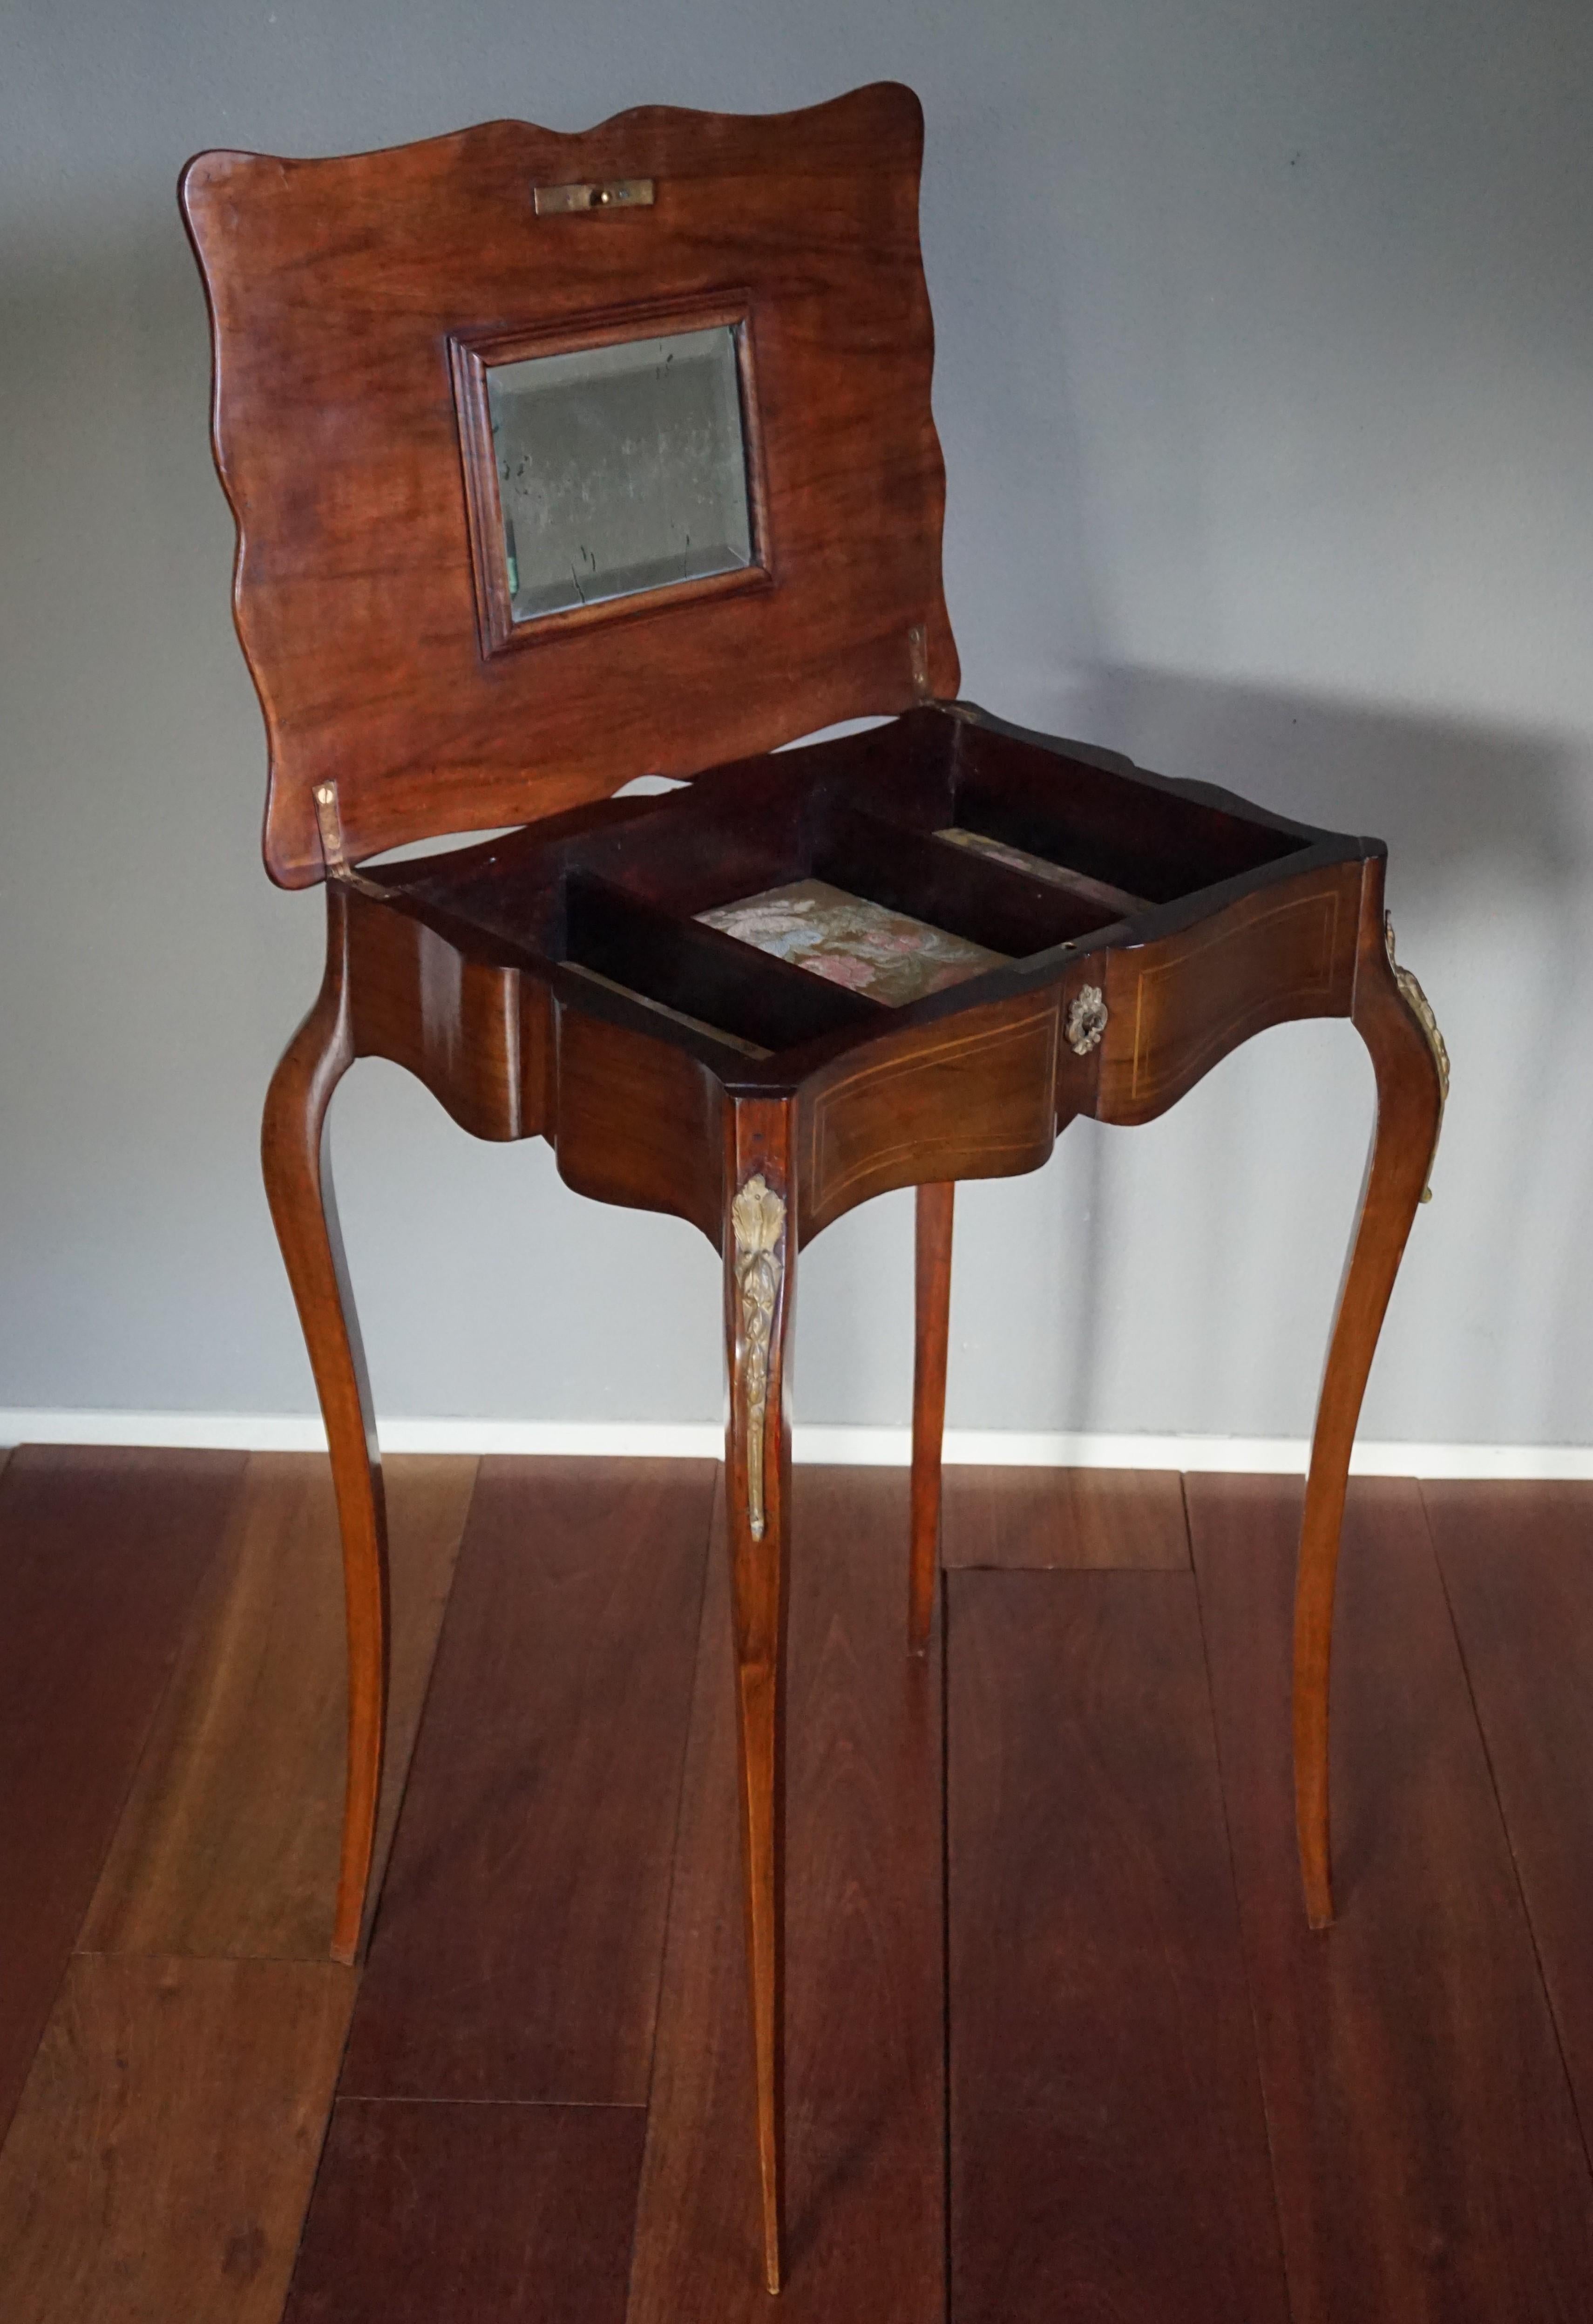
[849, 941]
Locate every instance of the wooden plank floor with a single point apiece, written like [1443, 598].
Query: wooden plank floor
[228, 1843]
[530, 1875]
[101, 1555]
[1062, 2045]
[1425, 2147]
[1107, 2123]
[865, 1996]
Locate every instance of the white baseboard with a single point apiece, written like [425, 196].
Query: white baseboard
[847, 1447]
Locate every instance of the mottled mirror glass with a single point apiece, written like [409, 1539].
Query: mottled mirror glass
[621, 468]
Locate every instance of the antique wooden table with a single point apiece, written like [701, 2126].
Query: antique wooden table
[559, 461]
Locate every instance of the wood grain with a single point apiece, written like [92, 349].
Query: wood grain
[811, 216]
[1425, 2144]
[101, 1554]
[499, 2214]
[974, 1097]
[1517, 1564]
[865, 1986]
[1178, 1007]
[296, 1161]
[163, 2154]
[1411, 1080]
[1028, 1519]
[469, 1028]
[638, 1123]
[229, 1841]
[516, 1952]
[1109, 2145]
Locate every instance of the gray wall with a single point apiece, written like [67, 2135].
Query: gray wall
[1264, 379]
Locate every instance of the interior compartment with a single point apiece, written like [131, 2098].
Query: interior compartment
[1117, 901]
[1008, 912]
[785, 899]
[1144, 841]
[662, 1009]
[699, 974]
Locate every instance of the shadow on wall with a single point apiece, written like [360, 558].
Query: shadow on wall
[1448, 794]
[1490, 839]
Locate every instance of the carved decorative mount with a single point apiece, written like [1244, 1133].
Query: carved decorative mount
[1086, 1019]
[1421, 1008]
[758, 1222]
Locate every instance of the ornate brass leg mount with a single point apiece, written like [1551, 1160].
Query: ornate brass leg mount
[760, 1247]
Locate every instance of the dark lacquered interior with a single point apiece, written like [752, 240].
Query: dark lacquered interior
[1082, 851]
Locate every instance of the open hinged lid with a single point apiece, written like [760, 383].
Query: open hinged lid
[560, 460]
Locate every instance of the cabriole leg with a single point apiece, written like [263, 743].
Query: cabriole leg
[933, 1314]
[294, 1152]
[759, 1248]
[1392, 1016]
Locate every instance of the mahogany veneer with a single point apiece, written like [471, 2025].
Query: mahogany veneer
[1092, 937]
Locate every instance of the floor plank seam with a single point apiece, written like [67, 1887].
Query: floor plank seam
[708, 1545]
[1233, 1874]
[81, 1951]
[549, 2106]
[320, 2153]
[373, 1912]
[78, 1950]
[945, 1935]
[373, 1908]
[1521, 1886]
[652, 2061]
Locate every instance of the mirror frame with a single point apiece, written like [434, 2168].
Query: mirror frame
[471, 355]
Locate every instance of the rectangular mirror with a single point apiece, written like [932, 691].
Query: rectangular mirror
[621, 468]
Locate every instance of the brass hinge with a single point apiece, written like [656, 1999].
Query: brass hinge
[918, 658]
[330, 825]
[618, 194]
